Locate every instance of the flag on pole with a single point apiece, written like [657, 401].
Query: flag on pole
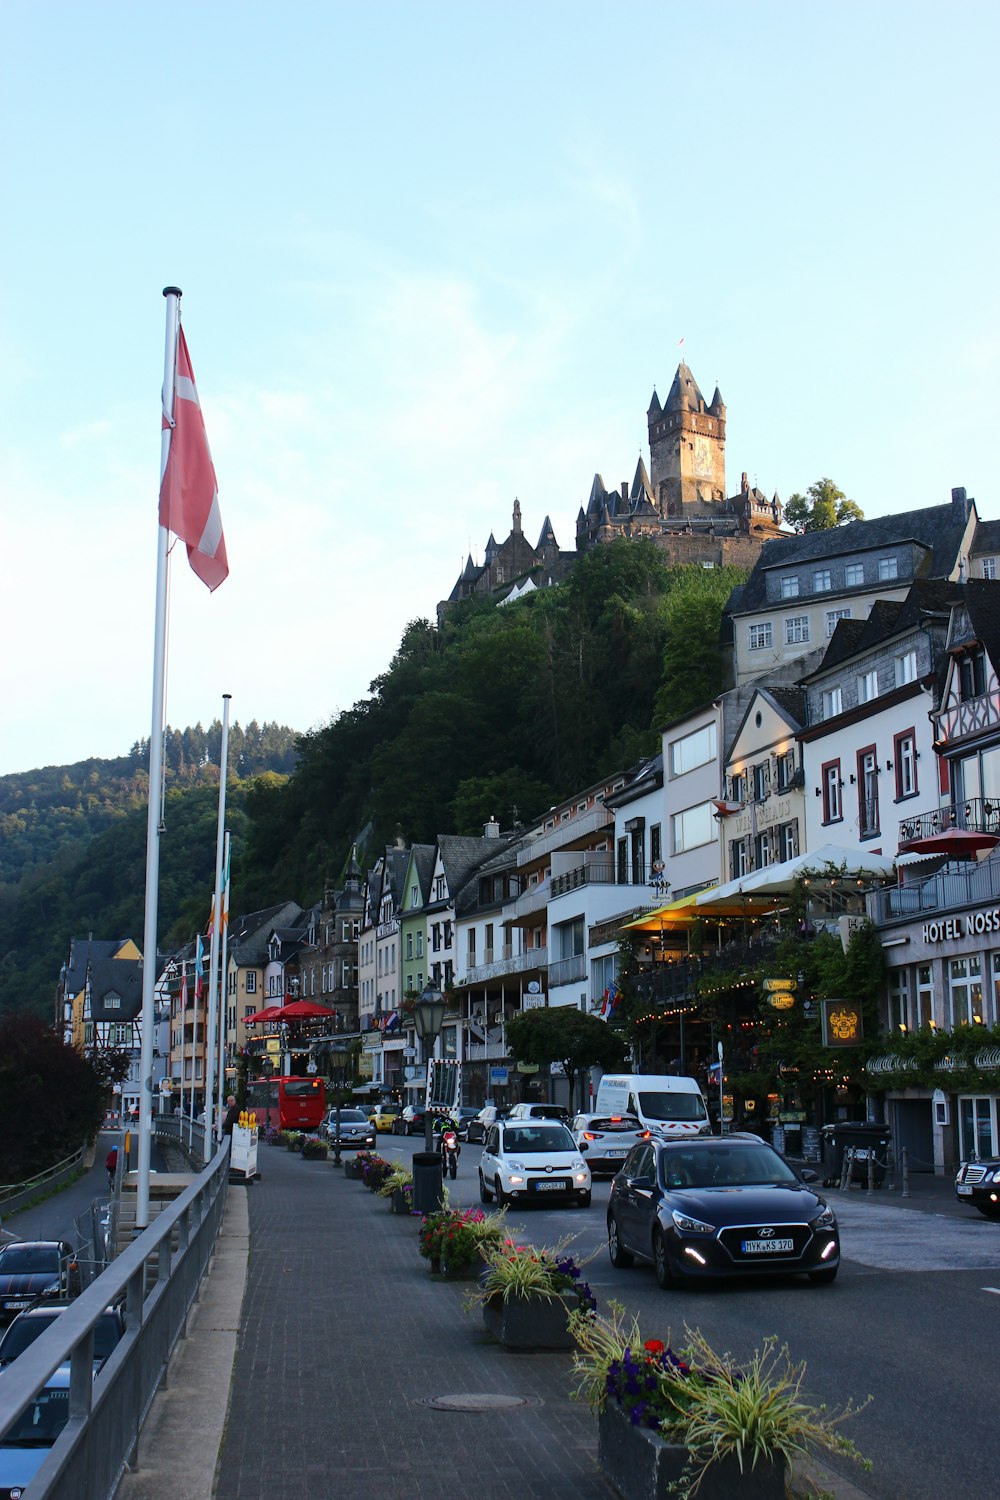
[199, 968]
[184, 990]
[189, 496]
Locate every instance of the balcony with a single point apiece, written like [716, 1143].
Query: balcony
[565, 834]
[976, 884]
[527, 962]
[530, 903]
[973, 717]
[568, 970]
[976, 815]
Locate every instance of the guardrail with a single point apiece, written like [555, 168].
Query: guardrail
[14, 1195]
[157, 1279]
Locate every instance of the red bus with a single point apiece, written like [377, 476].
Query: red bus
[288, 1103]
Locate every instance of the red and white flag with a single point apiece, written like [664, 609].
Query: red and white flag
[189, 496]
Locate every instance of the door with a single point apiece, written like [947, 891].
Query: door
[977, 1135]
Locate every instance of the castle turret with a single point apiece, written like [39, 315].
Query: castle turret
[687, 449]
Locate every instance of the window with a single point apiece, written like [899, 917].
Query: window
[832, 616]
[788, 836]
[471, 958]
[897, 990]
[868, 686]
[766, 849]
[989, 567]
[832, 808]
[906, 668]
[832, 703]
[925, 995]
[420, 945]
[972, 676]
[786, 770]
[905, 760]
[693, 750]
[887, 569]
[789, 588]
[868, 792]
[655, 844]
[855, 575]
[822, 581]
[762, 781]
[760, 636]
[965, 990]
[692, 827]
[796, 630]
[409, 945]
[739, 859]
[112, 1002]
[738, 786]
[621, 863]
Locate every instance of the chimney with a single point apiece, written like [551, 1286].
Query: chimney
[959, 502]
[625, 490]
[491, 830]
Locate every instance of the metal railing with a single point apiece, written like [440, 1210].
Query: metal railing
[976, 885]
[15, 1195]
[156, 1279]
[975, 815]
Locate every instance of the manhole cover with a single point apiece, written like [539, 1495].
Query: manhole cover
[475, 1401]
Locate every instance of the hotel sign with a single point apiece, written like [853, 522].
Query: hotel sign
[842, 1025]
[952, 929]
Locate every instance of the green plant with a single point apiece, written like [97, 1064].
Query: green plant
[313, 1149]
[522, 1271]
[754, 1412]
[400, 1177]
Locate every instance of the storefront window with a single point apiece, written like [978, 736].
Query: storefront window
[965, 990]
[898, 997]
[975, 1124]
[994, 1015]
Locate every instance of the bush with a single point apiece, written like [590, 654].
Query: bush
[521, 1271]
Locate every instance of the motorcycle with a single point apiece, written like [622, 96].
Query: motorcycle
[450, 1151]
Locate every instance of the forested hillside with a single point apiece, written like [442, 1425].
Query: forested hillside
[501, 712]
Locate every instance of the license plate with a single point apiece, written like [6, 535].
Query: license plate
[768, 1247]
[861, 1154]
[619, 1151]
[549, 1187]
[12, 1305]
[963, 1189]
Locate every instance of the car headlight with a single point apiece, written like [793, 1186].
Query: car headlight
[684, 1224]
[577, 1166]
[825, 1219]
[516, 1166]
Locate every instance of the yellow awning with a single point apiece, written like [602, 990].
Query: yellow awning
[688, 909]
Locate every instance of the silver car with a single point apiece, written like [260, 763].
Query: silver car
[606, 1140]
[357, 1133]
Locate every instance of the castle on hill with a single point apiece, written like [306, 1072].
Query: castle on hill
[680, 505]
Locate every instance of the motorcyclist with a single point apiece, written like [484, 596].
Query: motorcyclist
[450, 1150]
[111, 1163]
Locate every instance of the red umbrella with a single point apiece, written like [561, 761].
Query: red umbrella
[303, 1010]
[271, 1013]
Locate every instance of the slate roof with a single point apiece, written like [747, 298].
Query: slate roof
[938, 528]
[987, 538]
[248, 935]
[888, 618]
[87, 951]
[982, 598]
[116, 976]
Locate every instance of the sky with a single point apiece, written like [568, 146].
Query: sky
[436, 257]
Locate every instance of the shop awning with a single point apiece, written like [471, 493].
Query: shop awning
[776, 880]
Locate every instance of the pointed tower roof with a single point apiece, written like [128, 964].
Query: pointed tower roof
[655, 409]
[597, 496]
[718, 406]
[547, 537]
[640, 483]
[684, 393]
[491, 549]
[471, 572]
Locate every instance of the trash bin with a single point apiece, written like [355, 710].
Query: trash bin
[428, 1186]
[864, 1137]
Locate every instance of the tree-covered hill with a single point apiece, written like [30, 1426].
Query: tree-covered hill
[501, 712]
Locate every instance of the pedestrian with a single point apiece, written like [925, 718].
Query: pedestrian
[232, 1116]
[111, 1162]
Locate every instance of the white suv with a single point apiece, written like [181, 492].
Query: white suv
[539, 1112]
[532, 1160]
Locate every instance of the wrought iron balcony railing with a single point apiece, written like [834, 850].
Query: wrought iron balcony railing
[974, 815]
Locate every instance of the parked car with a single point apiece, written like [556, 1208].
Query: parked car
[539, 1111]
[978, 1183]
[532, 1161]
[410, 1122]
[26, 1327]
[481, 1122]
[462, 1116]
[356, 1132]
[711, 1207]
[30, 1269]
[607, 1140]
[383, 1115]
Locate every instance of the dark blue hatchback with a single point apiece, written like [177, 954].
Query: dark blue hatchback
[712, 1207]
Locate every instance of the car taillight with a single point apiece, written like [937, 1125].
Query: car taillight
[645, 1135]
[589, 1135]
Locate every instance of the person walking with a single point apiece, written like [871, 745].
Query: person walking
[232, 1116]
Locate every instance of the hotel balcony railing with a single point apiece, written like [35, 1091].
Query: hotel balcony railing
[978, 885]
[604, 872]
[568, 970]
[564, 833]
[976, 814]
[512, 963]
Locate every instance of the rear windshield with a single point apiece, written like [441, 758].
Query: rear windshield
[671, 1106]
[297, 1086]
[18, 1258]
[534, 1140]
[24, 1331]
[613, 1123]
[42, 1422]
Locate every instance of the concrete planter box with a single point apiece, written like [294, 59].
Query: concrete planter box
[399, 1202]
[353, 1169]
[529, 1322]
[641, 1466]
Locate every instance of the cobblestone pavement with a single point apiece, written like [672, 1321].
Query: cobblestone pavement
[345, 1337]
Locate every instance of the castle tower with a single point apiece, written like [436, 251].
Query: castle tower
[687, 449]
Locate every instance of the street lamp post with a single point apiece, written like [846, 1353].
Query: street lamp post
[428, 1017]
[337, 1072]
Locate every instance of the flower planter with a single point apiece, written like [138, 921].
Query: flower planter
[353, 1169]
[399, 1202]
[469, 1271]
[529, 1322]
[640, 1465]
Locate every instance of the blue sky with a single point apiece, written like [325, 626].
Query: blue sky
[435, 257]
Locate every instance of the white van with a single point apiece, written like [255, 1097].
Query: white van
[663, 1102]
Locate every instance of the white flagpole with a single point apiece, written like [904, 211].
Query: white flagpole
[223, 971]
[149, 957]
[212, 1008]
[180, 1121]
[194, 1046]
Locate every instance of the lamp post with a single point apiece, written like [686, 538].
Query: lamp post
[428, 1017]
[338, 1068]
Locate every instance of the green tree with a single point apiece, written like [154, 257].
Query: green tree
[563, 1034]
[821, 508]
[691, 617]
[50, 1085]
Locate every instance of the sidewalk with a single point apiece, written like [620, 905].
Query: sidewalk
[339, 1342]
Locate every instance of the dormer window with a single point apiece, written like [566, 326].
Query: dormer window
[790, 588]
[888, 569]
[972, 676]
[868, 686]
[112, 1002]
[822, 581]
[832, 703]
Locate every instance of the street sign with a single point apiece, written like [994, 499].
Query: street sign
[782, 1000]
[771, 986]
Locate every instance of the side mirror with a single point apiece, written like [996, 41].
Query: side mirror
[643, 1184]
[808, 1175]
[582, 1147]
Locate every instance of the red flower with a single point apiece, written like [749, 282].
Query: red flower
[654, 1346]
